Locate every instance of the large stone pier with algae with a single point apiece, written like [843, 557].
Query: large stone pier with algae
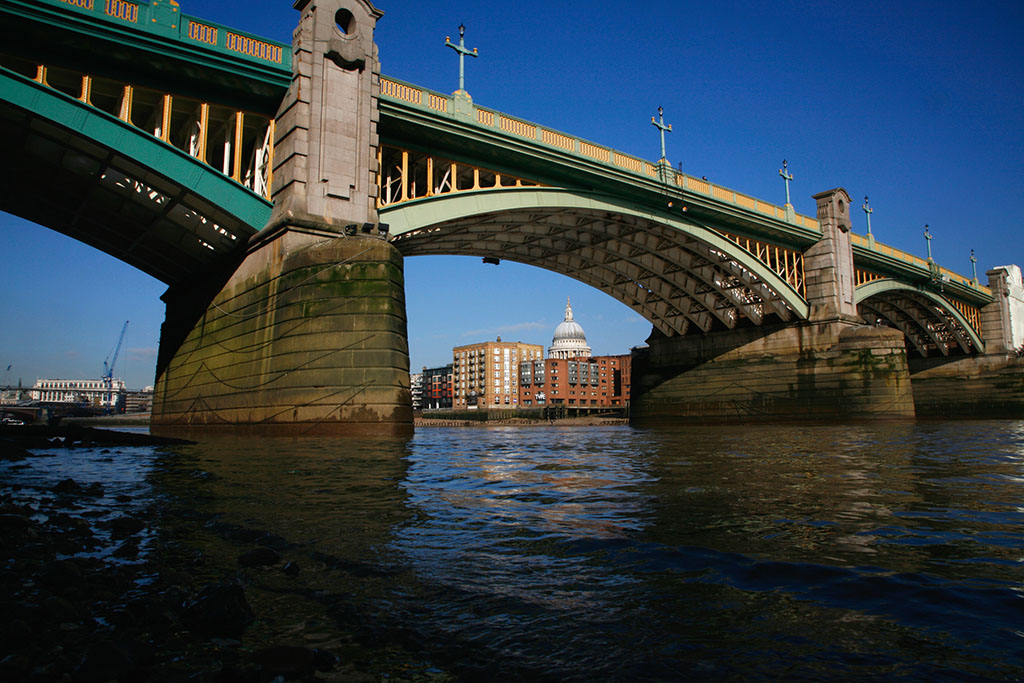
[307, 337]
[306, 334]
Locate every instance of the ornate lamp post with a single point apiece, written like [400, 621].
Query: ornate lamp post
[928, 241]
[867, 212]
[787, 177]
[974, 268]
[462, 51]
[660, 125]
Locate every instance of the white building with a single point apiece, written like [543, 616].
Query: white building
[105, 393]
[416, 389]
[569, 341]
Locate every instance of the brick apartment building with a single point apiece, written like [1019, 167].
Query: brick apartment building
[595, 382]
[486, 375]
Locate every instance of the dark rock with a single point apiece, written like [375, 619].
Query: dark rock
[218, 610]
[121, 618]
[71, 525]
[104, 661]
[122, 498]
[241, 534]
[37, 551]
[14, 667]
[128, 549]
[291, 569]
[125, 526]
[325, 660]
[140, 653]
[72, 545]
[174, 597]
[60, 611]
[286, 660]
[176, 578]
[95, 490]
[11, 452]
[238, 674]
[12, 509]
[358, 569]
[67, 487]
[59, 573]
[14, 524]
[259, 557]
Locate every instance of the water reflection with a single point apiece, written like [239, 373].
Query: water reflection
[622, 554]
[716, 527]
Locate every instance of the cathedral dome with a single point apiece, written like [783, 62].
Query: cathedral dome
[569, 341]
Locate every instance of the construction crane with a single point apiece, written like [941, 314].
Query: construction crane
[108, 368]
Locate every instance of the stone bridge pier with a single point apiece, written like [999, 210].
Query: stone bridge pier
[307, 334]
[989, 385]
[829, 366]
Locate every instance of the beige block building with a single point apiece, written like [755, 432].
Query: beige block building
[486, 375]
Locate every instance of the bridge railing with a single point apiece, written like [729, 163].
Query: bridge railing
[439, 103]
[237, 143]
[166, 21]
[943, 274]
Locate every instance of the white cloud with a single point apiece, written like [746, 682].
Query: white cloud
[504, 329]
[142, 353]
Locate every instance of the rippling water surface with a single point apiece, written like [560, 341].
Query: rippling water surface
[612, 553]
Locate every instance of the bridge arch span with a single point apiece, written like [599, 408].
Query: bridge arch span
[930, 322]
[683, 277]
[80, 171]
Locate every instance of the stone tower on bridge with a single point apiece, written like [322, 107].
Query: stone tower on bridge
[307, 335]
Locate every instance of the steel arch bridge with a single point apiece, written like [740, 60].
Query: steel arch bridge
[689, 256]
[677, 274]
[163, 153]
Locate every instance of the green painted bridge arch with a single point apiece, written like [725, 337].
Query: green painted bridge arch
[681, 276]
[81, 171]
[930, 322]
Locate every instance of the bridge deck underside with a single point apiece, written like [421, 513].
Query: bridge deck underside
[679, 283]
[929, 328]
[60, 179]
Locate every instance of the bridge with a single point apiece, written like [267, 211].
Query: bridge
[276, 188]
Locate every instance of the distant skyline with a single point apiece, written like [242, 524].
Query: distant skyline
[915, 104]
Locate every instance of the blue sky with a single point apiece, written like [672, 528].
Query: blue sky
[916, 104]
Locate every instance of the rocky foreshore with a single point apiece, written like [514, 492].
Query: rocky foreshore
[72, 434]
[91, 592]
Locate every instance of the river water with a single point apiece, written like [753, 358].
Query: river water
[847, 551]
